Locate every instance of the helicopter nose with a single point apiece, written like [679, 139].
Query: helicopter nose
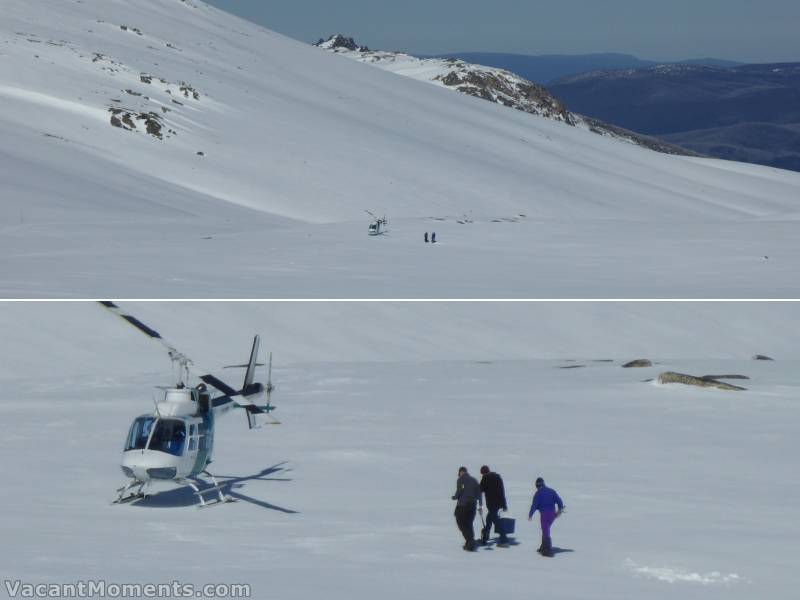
[145, 466]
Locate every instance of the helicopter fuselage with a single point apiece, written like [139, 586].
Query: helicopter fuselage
[174, 443]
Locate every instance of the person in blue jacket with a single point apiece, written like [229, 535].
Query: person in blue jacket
[545, 500]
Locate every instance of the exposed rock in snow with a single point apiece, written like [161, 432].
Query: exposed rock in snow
[338, 41]
[639, 363]
[670, 377]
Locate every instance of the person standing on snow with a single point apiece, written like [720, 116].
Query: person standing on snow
[545, 501]
[468, 494]
[433, 238]
[495, 492]
[426, 237]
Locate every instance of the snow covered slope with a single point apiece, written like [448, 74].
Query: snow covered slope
[488, 83]
[380, 404]
[497, 85]
[163, 148]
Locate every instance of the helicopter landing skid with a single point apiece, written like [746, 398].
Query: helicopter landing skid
[217, 487]
[124, 497]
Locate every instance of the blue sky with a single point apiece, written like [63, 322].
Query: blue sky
[746, 30]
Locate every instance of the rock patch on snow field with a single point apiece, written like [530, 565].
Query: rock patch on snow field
[683, 378]
[127, 120]
[638, 364]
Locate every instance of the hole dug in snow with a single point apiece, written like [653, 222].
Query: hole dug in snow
[674, 575]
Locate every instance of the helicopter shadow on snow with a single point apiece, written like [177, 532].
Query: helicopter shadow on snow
[184, 496]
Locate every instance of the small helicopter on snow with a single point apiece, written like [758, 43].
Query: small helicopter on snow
[176, 442]
[378, 225]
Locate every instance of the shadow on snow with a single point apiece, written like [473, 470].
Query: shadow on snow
[231, 485]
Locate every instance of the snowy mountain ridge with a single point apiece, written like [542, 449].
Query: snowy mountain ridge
[489, 83]
[496, 85]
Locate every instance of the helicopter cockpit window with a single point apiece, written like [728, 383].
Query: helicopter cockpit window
[169, 436]
[139, 433]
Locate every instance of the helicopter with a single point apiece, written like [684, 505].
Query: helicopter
[176, 442]
[378, 224]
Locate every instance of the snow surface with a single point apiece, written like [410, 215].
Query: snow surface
[297, 143]
[671, 491]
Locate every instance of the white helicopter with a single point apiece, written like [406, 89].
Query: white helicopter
[378, 224]
[176, 442]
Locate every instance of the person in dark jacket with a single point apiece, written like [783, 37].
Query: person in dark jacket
[467, 496]
[426, 237]
[545, 500]
[433, 238]
[495, 492]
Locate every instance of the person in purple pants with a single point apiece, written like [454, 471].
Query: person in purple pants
[545, 500]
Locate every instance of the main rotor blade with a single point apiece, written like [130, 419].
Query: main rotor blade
[185, 362]
[219, 384]
[174, 353]
[142, 327]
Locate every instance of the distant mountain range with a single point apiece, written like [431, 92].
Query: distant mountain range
[719, 108]
[748, 113]
[547, 68]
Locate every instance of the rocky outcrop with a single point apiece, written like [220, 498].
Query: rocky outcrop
[340, 41]
[503, 87]
[672, 377]
[187, 90]
[638, 364]
[762, 357]
[129, 120]
[145, 116]
[489, 83]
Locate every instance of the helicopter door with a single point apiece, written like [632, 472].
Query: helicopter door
[169, 436]
[205, 444]
[192, 439]
[189, 458]
[193, 445]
